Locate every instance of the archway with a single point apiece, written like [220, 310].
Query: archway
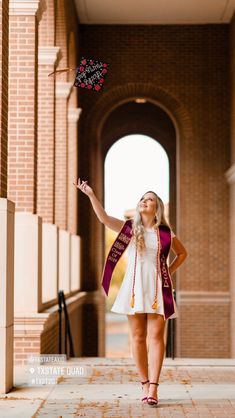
[148, 169]
[115, 115]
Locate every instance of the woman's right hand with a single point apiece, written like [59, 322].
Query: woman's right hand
[112, 223]
[84, 187]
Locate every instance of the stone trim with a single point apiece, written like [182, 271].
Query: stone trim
[63, 89]
[74, 114]
[6, 205]
[33, 324]
[27, 8]
[201, 298]
[230, 174]
[30, 324]
[49, 55]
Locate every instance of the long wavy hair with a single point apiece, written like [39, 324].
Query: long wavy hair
[138, 228]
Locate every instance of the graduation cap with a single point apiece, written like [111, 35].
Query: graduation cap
[90, 74]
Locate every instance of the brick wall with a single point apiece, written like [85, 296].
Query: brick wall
[22, 167]
[46, 115]
[46, 144]
[213, 338]
[72, 176]
[38, 137]
[232, 79]
[4, 20]
[231, 178]
[61, 162]
[61, 123]
[50, 338]
[23, 346]
[61, 35]
[47, 341]
[185, 70]
[48, 25]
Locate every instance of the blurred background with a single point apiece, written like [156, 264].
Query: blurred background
[163, 120]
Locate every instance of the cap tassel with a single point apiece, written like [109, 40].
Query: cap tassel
[63, 70]
[154, 305]
[132, 301]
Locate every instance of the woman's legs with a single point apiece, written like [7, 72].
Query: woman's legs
[156, 348]
[138, 328]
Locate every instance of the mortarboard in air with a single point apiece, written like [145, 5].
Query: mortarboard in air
[90, 74]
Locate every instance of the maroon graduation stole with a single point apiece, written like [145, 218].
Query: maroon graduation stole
[164, 244]
[117, 249]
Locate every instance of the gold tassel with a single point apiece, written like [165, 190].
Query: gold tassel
[132, 301]
[154, 305]
[64, 70]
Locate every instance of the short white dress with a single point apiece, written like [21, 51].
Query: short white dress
[145, 280]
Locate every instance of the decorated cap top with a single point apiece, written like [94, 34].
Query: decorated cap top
[90, 74]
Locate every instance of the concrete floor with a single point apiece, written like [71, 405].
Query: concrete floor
[110, 388]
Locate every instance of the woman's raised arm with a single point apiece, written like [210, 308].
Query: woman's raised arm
[109, 221]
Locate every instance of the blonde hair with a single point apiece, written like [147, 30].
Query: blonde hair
[138, 228]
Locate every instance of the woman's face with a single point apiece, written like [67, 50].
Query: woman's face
[148, 204]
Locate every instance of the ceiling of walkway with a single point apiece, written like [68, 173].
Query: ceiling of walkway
[154, 11]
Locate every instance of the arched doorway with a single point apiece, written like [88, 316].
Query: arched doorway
[148, 169]
[146, 119]
[131, 116]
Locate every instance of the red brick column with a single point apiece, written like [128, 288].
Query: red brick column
[6, 220]
[4, 21]
[73, 117]
[23, 60]
[48, 59]
[63, 90]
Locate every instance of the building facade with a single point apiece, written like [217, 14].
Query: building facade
[52, 132]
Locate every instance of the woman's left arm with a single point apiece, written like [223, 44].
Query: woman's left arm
[180, 252]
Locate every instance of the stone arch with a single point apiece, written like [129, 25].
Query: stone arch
[122, 94]
[144, 119]
[91, 165]
[92, 125]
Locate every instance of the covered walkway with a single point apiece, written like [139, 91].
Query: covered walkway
[189, 388]
[171, 77]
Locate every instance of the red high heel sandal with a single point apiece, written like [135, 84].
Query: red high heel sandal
[144, 399]
[150, 399]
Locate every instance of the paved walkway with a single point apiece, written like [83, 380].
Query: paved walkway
[188, 388]
[118, 343]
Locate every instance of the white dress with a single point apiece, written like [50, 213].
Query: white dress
[145, 281]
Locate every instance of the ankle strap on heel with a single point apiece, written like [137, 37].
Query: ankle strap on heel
[153, 383]
[143, 383]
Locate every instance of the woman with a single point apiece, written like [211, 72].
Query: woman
[145, 295]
